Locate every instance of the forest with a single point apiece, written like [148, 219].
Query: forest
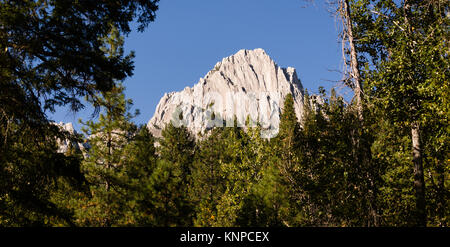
[382, 159]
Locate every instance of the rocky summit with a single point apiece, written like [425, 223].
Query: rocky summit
[248, 86]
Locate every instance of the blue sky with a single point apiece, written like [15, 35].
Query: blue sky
[189, 37]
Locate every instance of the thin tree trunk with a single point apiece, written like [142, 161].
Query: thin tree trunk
[355, 73]
[442, 201]
[108, 163]
[108, 166]
[361, 154]
[419, 182]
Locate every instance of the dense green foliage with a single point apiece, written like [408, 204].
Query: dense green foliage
[329, 167]
[51, 54]
[404, 47]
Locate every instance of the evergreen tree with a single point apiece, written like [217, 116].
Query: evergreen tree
[286, 149]
[227, 168]
[31, 171]
[140, 162]
[288, 136]
[208, 184]
[142, 151]
[173, 175]
[266, 202]
[327, 186]
[177, 146]
[104, 165]
[50, 55]
[108, 138]
[237, 173]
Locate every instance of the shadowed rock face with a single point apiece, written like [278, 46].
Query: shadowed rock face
[63, 145]
[246, 85]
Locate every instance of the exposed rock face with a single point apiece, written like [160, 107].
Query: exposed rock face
[63, 145]
[246, 84]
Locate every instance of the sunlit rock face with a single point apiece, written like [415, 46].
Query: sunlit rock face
[248, 86]
[63, 145]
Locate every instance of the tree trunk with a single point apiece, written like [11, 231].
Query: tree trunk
[441, 195]
[108, 163]
[355, 73]
[361, 155]
[419, 182]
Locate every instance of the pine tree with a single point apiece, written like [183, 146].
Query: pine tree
[237, 173]
[50, 56]
[108, 138]
[266, 201]
[208, 184]
[176, 150]
[288, 140]
[142, 151]
[286, 148]
[140, 161]
[28, 194]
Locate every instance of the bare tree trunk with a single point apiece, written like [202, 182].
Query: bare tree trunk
[361, 154]
[419, 182]
[355, 73]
